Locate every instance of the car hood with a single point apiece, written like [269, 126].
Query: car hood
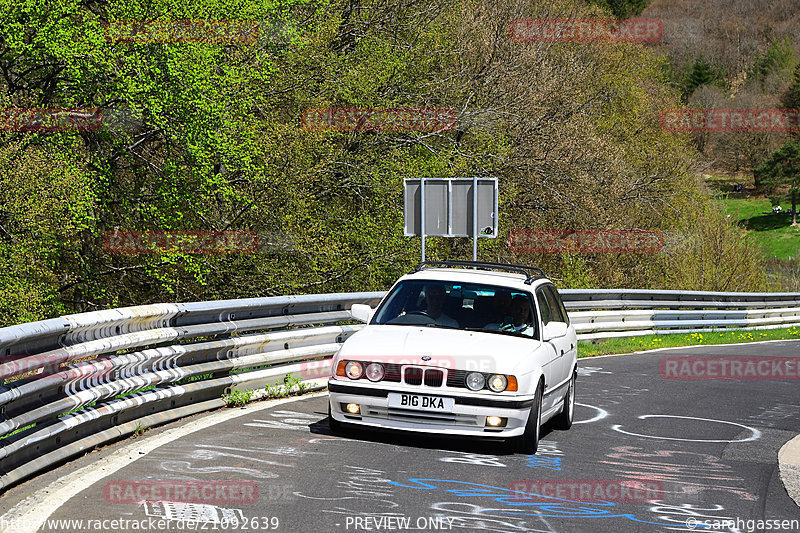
[449, 348]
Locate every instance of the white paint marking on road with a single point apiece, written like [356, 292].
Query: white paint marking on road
[30, 514]
[601, 414]
[755, 434]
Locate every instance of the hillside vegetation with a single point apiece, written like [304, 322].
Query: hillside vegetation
[211, 140]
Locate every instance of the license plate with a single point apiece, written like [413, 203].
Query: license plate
[420, 402]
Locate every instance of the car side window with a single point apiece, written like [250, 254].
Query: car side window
[555, 309]
[559, 303]
[544, 308]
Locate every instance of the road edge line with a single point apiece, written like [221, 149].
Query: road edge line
[30, 514]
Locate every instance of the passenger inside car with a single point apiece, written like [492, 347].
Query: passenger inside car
[502, 315]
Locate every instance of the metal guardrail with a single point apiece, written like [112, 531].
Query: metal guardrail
[80, 380]
[607, 313]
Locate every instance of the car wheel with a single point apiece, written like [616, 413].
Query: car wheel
[529, 441]
[336, 427]
[564, 419]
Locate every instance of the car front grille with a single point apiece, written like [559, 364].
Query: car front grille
[413, 375]
[431, 377]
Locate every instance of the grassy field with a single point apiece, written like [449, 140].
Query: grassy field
[651, 342]
[774, 233]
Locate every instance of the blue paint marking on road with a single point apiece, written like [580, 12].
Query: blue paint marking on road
[557, 509]
[551, 463]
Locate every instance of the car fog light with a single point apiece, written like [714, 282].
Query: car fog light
[498, 383]
[374, 372]
[495, 421]
[354, 370]
[353, 408]
[475, 381]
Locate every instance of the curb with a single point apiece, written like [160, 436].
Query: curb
[789, 467]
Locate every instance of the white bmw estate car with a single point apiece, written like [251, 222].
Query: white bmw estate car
[483, 351]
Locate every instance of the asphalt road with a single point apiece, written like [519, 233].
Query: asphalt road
[699, 450]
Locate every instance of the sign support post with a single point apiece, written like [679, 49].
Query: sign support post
[475, 218]
[422, 213]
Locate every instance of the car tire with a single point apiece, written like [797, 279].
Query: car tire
[337, 428]
[529, 441]
[564, 419]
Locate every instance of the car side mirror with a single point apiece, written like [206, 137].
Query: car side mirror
[362, 312]
[554, 330]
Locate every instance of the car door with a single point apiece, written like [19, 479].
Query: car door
[564, 344]
[549, 351]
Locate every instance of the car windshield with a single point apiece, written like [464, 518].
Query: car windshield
[459, 306]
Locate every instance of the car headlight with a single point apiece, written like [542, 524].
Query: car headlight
[354, 370]
[498, 383]
[475, 381]
[375, 372]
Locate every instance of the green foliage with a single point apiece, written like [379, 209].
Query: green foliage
[238, 398]
[576, 273]
[791, 98]
[290, 385]
[621, 8]
[778, 57]
[712, 252]
[696, 73]
[651, 342]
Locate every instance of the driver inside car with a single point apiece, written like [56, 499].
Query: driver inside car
[434, 301]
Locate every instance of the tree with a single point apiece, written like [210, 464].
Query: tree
[779, 56]
[701, 73]
[781, 170]
[622, 8]
[791, 98]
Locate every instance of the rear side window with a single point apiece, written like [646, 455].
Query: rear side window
[556, 302]
[556, 307]
[544, 308]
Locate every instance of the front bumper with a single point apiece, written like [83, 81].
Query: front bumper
[468, 416]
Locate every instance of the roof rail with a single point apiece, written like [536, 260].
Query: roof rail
[521, 269]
